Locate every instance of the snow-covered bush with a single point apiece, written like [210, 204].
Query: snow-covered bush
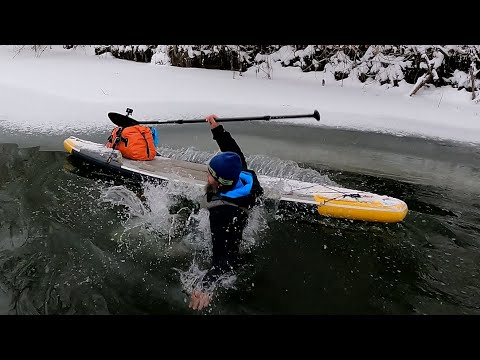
[440, 65]
[222, 57]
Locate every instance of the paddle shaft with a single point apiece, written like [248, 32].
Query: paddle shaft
[124, 121]
[265, 118]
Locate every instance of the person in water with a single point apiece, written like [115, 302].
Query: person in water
[231, 191]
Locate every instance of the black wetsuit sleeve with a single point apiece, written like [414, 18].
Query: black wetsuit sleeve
[226, 224]
[227, 143]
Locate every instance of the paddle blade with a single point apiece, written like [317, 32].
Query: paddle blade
[122, 120]
[316, 115]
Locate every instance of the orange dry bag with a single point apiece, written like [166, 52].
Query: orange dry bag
[134, 142]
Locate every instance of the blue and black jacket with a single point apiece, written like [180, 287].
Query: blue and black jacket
[229, 209]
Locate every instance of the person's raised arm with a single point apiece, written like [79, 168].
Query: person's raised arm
[224, 139]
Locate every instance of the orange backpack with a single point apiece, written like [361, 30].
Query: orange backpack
[135, 142]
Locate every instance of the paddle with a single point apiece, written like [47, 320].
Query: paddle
[125, 121]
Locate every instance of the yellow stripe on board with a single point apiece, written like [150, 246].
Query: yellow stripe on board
[69, 145]
[375, 212]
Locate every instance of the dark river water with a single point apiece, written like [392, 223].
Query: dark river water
[72, 244]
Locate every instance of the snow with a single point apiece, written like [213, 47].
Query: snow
[437, 60]
[460, 78]
[285, 54]
[68, 91]
[308, 51]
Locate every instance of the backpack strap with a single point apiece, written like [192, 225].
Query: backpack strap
[118, 138]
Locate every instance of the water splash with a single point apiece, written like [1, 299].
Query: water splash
[189, 154]
[256, 227]
[163, 220]
[261, 164]
[192, 279]
[168, 220]
[286, 169]
[201, 241]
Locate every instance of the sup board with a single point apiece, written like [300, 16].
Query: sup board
[315, 198]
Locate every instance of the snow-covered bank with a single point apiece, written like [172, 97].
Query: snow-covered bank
[72, 90]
